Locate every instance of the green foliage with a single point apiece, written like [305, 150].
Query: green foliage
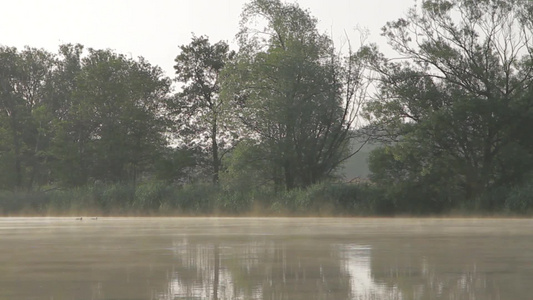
[68, 118]
[454, 111]
[115, 196]
[520, 198]
[161, 198]
[196, 199]
[24, 114]
[413, 183]
[89, 130]
[152, 196]
[122, 98]
[202, 117]
[328, 199]
[12, 203]
[78, 200]
[325, 199]
[293, 94]
[246, 168]
[176, 164]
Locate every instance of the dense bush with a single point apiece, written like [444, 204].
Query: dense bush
[22, 202]
[520, 198]
[324, 199]
[161, 198]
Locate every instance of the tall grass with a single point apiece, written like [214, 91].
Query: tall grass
[159, 198]
[520, 199]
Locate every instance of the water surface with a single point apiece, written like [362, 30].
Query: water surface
[265, 258]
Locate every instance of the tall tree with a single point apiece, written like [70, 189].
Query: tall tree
[461, 91]
[12, 108]
[110, 116]
[71, 150]
[201, 118]
[67, 118]
[124, 98]
[297, 97]
[24, 77]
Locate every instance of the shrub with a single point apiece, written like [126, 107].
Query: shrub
[520, 198]
[153, 196]
[72, 201]
[19, 202]
[195, 198]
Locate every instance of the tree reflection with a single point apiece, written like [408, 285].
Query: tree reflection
[439, 269]
[236, 262]
[357, 259]
[307, 269]
[216, 271]
[257, 270]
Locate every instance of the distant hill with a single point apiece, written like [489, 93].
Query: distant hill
[357, 165]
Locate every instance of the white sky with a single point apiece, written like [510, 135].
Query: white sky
[155, 28]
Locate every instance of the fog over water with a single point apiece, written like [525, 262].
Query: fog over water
[265, 258]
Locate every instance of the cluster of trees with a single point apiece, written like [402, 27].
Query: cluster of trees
[453, 112]
[281, 109]
[456, 110]
[69, 118]
[287, 100]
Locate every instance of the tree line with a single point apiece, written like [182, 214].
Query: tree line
[69, 118]
[78, 116]
[452, 113]
[456, 110]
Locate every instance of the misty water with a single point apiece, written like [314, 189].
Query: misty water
[265, 258]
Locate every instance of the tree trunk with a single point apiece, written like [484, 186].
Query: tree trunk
[34, 161]
[18, 160]
[18, 167]
[215, 160]
[289, 176]
[216, 275]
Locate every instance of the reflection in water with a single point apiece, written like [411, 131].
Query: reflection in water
[196, 273]
[256, 270]
[358, 265]
[284, 270]
[438, 270]
[164, 259]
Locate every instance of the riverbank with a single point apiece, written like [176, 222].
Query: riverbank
[163, 199]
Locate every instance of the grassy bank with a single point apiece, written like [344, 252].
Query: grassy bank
[162, 199]
[157, 198]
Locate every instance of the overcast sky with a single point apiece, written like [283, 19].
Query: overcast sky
[155, 28]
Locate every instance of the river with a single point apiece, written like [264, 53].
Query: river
[265, 258]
